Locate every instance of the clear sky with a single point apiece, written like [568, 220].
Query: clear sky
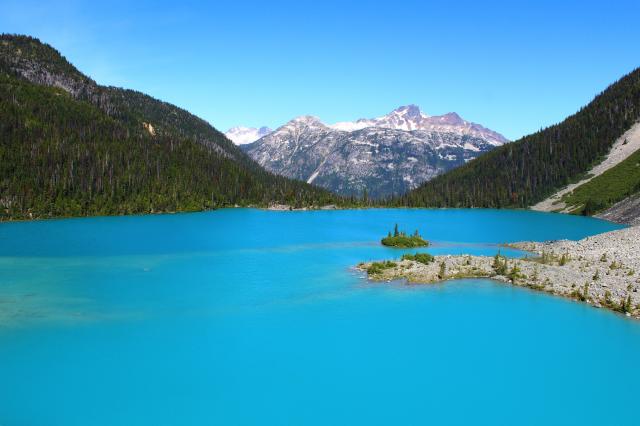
[514, 66]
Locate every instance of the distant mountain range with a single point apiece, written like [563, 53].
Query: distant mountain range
[407, 118]
[410, 118]
[382, 156]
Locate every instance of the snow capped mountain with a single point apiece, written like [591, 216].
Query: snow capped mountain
[304, 121]
[387, 155]
[404, 118]
[243, 135]
[305, 124]
[410, 117]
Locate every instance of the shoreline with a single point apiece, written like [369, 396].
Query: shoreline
[278, 208]
[601, 270]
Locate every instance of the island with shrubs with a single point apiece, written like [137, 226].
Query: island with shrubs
[602, 270]
[400, 239]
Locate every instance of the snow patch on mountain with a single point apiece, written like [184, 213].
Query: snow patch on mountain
[410, 118]
[388, 155]
[243, 135]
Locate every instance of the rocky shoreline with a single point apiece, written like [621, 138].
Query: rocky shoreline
[286, 208]
[602, 270]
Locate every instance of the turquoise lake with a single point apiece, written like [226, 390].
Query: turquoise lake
[250, 317]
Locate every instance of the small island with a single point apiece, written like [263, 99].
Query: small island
[400, 239]
[601, 270]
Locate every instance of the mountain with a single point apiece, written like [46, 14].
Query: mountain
[382, 156]
[610, 190]
[529, 170]
[410, 118]
[71, 147]
[244, 135]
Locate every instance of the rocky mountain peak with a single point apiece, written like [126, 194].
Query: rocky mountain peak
[406, 118]
[307, 119]
[302, 122]
[451, 118]
[411, 110]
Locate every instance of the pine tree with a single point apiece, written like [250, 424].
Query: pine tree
[443, 270]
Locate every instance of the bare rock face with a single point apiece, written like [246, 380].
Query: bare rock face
[626, 211]
[385, 156]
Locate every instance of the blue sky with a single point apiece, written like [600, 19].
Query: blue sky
[514, 66]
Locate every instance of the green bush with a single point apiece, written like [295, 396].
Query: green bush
[424, 258]
[378, 267]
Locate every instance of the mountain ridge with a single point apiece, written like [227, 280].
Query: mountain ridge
[372, 158]
[408, 118]
[411, 117]
[72, 147]
[526, 171]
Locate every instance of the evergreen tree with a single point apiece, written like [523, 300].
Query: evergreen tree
[443, 270]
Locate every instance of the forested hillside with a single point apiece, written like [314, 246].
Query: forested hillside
[70, 147]
[524, 172]
[603, 191]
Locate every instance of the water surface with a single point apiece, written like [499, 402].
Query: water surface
[242, 317]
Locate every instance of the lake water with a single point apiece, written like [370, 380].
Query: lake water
[249, 317]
